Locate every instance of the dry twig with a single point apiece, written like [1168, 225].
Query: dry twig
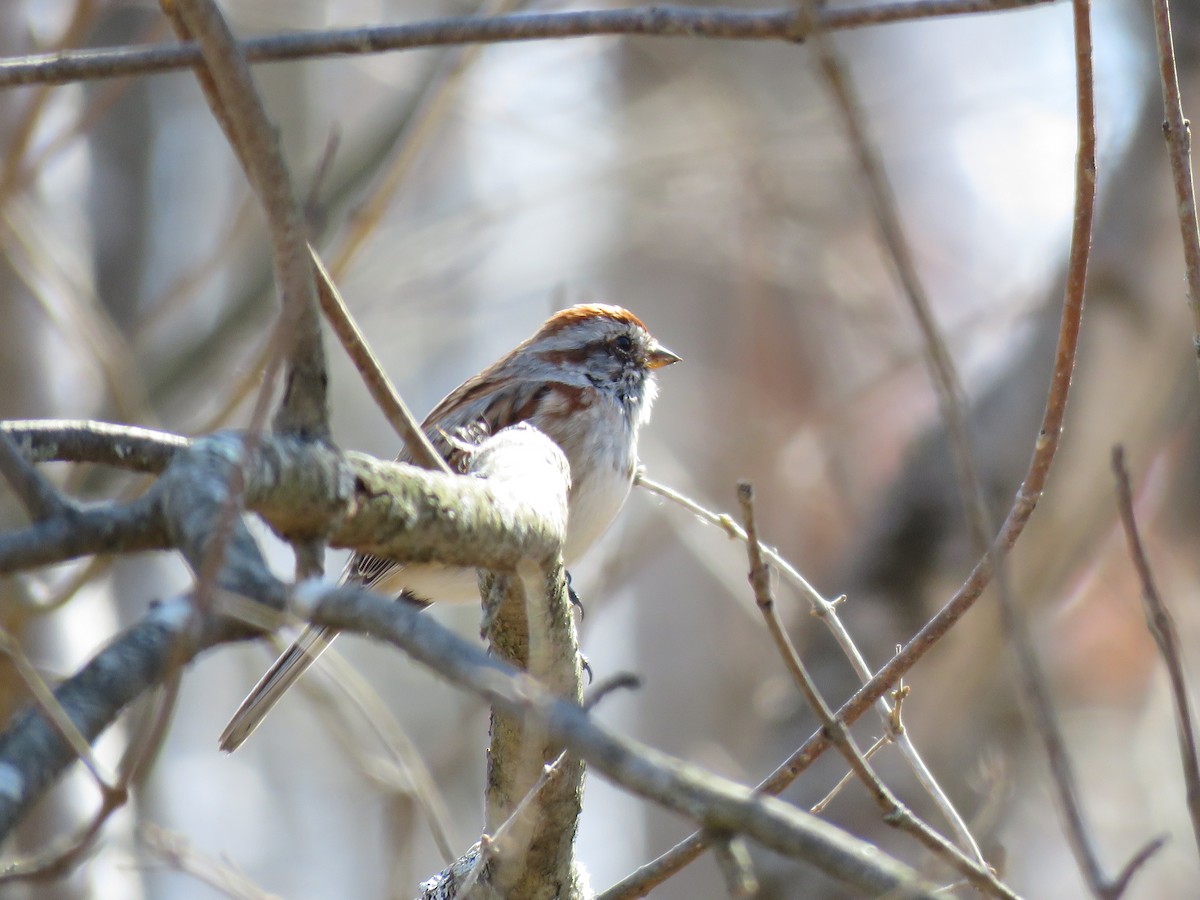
[657, 21]
[895, 813]
[1178, 133]
[1161, 625]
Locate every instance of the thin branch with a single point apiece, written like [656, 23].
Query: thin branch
[657, 21]
[942, 371]
[224, 78]
[429, 108]
[737, 867]
[714, 802]
[491, 845]
[41, 499]
[1161, 625]
[414, 778]
[21, 132]
[1178, 133]
[826, 611]
[230, 90]
[383, 392]
[1044, 450]
[174, 851]
[819, 807]
[61, 857]
[32, 753]
[895, 813]
[1034, 690]
[44, 698]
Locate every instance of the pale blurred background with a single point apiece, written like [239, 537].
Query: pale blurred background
[708, 187]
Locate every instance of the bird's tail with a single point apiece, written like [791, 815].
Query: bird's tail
[271, 687]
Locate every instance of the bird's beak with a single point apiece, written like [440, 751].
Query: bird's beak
[660, 356]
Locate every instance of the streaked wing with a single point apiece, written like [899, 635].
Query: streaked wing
[463, 419]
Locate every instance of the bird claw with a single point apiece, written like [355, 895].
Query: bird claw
[574, 597]
[583, 664]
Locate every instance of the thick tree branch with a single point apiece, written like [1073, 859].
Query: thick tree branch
[302, 490]
[132, 528]
[712, 802]
[463, 521]
[33, 753]
[532, 816]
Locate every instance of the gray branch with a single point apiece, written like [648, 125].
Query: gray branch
[787, 24]
[709, 800]
[302, 490]
[510, 519]
[120, 446]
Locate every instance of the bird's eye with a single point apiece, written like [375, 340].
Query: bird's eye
[623, 345]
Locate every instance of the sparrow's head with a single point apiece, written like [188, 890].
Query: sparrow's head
[605, 347]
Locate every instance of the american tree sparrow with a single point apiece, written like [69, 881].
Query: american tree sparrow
[585, 379]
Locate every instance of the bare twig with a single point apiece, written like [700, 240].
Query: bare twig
[1177, 131]
[419, 126]
[660, 21]
[1044, 450]
[737, 867]
[62, 856]
[405, 755]
[229, 87]
[1161, 625]
[22, 131]
[819, 807]
[51, 708]
[174, 851]
[492, 844]
[384, 393]
[1034, 691]
[895, 813]
[942, 371]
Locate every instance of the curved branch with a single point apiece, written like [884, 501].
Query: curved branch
[33, 753]
[84, 440]
[714, 803]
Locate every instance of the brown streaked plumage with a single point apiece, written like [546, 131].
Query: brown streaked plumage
[586, 379]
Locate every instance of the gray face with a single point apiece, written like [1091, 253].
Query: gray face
[620, 360]
[608, 349]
